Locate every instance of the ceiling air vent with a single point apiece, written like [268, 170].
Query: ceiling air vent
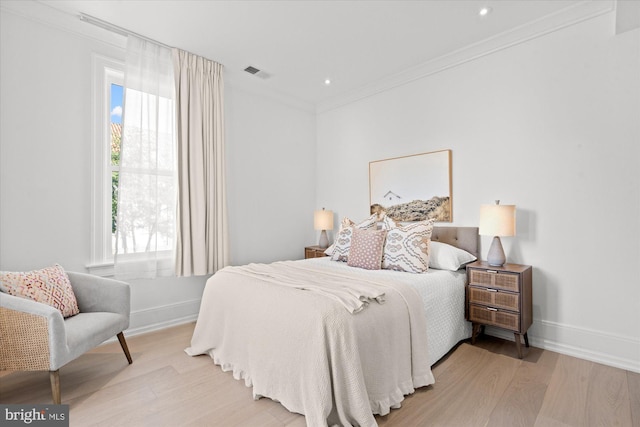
[252, 70]
[256, 72]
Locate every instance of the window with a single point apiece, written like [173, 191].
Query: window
[134, 236]
[108, 80]
[145, 178]
[115, 138]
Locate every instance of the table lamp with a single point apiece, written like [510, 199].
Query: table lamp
[323, 220]
[497, 220]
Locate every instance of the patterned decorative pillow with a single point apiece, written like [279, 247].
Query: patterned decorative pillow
[388, 223]
[346, 222]
[340, 250]
[367, 247]
[49, 286]
[407, 247]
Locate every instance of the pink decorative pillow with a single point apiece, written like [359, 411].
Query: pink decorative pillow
[339, 251]
[366, 250]
[49, 286]
[407, 247]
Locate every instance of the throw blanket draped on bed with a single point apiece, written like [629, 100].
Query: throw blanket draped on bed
[352, 293]
[303, 349]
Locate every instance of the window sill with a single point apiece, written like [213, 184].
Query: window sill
[101, 269]
[135, 268]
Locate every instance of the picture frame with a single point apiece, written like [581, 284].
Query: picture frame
[412, 188]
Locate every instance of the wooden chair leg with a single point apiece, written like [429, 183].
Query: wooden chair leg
[123, 344]
[54, 377]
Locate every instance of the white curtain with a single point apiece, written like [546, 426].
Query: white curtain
[145, 237]
[201, 238]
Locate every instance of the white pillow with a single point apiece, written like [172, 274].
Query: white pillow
[446, 257]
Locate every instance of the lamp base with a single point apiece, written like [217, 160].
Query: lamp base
[324, 240]
[496, 257]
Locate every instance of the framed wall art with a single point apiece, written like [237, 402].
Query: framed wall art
[412, 188]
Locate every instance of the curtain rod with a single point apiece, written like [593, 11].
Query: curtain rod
[115, 29]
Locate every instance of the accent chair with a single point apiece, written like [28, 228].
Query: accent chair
[35, 336]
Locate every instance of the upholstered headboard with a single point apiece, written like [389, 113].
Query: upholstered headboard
[466, 238]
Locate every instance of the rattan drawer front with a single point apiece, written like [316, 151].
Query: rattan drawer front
[495, 317]
[506, 281]
[494, 298]
[314, 252]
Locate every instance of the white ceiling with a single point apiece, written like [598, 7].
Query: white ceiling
[301, 43]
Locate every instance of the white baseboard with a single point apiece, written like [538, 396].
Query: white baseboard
[161, 317]
[596, 346]
[160, 325]
[164, 316]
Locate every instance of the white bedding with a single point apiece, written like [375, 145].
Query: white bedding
[443, 296]
[307, 351]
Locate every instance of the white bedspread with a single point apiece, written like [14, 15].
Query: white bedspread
[443, 298]
[306, 351]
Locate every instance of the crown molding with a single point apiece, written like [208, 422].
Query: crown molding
[547, 24]
[588, 9]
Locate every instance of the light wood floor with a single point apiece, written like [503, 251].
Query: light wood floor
[481, 385]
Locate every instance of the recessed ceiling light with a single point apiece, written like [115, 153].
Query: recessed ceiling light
[327, 82]
[484, 11]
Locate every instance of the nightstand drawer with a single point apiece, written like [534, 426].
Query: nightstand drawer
[495, 279]
[494, 298]
[495, 317]
[314, 252]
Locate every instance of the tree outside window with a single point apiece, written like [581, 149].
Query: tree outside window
[116, 139]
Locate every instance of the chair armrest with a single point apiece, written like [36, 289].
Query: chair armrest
[27, 336]
[95, 293]
[30, 306]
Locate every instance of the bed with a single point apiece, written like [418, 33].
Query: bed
[335, 356]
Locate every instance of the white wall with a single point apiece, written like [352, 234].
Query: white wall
[45, 164]
[551, 125]
[271, 177]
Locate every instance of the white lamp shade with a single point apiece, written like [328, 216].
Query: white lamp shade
[323, 220]
[497, 220]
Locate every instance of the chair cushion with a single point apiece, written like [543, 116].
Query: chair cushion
[86, 331]
[49, 286]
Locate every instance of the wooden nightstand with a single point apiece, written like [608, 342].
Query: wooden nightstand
[314, 252]
[500, 296]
